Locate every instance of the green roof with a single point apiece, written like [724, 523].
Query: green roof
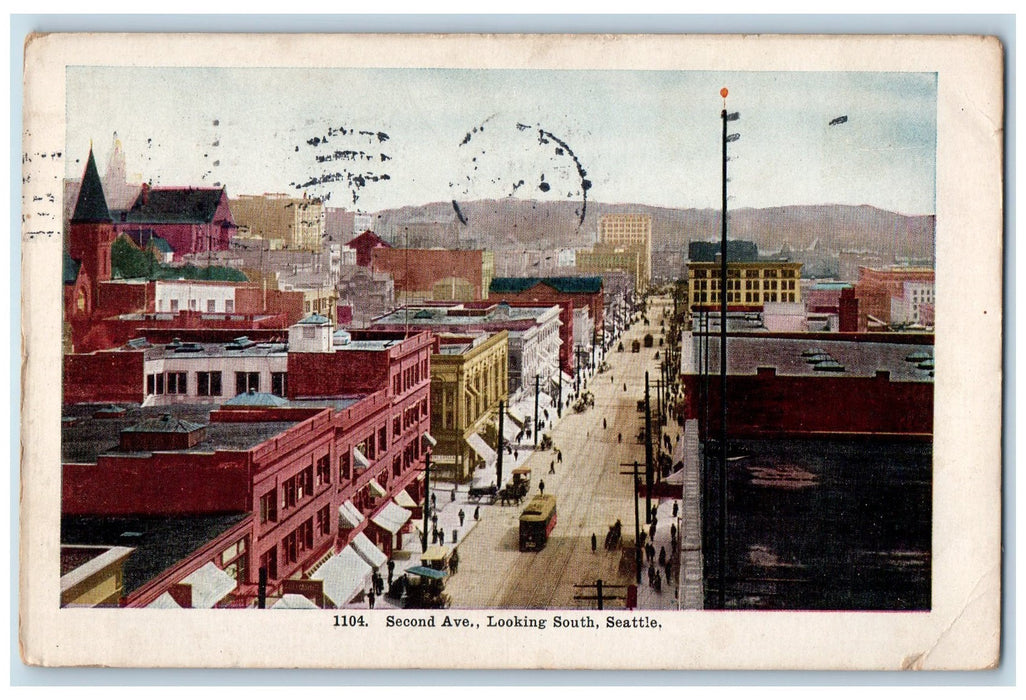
[567, 285]
[256, 398]
[161, 244]
[91, 206]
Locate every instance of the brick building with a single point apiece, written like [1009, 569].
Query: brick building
[436, 274]
[876, 288]
[583, 293]
[188, 219]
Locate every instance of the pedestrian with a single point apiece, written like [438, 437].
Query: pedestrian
[541, 487]
[462, 515]
[434, 500]
[453, 500]
[619, 437]
[652, 531]
[477, 512]
[455, 535]
[673, 531]
[625, 387]
[669, 571]
[370, 597]
[454, 561]
[391, 571]
[434, 536]
[603, 423]
[559, 455]
[441, 537]
[675, 509]
[658, 582]
[594, 542]
[434, 521]
[651, 575]
[516, 455]
[552, 467]
[662, 556]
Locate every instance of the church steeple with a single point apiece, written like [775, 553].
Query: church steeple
[91, 207]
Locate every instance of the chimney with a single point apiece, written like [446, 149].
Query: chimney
[145, 193]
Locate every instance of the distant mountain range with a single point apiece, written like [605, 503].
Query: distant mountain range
[512, 224]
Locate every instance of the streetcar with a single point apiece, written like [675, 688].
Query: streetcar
[536, 522]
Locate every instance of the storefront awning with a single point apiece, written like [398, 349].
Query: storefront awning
[344, 575]
[349, 515]
[360, 459]
[478, 445]
[405, 500]
[376, 489]
[366, 549]
[209, 585]
[517, 417]
[294, 601]
[164, 602]
[426, 572]
[391, 517]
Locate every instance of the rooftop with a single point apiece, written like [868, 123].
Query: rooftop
[567, 285]
[173, 205]
[159, 542]
[798, 357]
[84, 437]
[459, 315]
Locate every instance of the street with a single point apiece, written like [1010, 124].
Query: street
[591, 491]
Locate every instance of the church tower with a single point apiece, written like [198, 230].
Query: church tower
[90, 235]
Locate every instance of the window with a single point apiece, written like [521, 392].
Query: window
[244, 381]
[288, 493]
[193, 305]
[343, 465]
[160, 383]
[208, 383]
[423, 408]
[279, 383]
[151, 384]
[229, 306]
[324, 521]
[174, 306]
[269, 507]
[383, 438]
[396, 466]
[211, 306]
[309, 332]
[324, 470]
[397, 427]
[176, 383]
[269, 563]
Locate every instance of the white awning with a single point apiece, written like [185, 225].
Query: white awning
[517, 417]
[429, 439]
[510, 430]
[391, 517]
[567, 380]
[294, 601]
[377, 489]
[360, 459]
[165, 602]
[405, 500]
[481, 447]
[366, 549]
[209, 585]
[343, 575]
[349, 515]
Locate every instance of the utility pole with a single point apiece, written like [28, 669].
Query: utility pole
[498, 458]
[648, 453]
[600, 595]
[427, 499]
[559, 403]
[537, 390]
[723, 359]
[637, 517]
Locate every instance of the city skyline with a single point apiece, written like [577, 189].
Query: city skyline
[646, 137]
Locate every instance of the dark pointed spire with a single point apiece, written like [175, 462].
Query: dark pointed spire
[92, 205]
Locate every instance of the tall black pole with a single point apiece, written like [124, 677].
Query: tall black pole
[648, 453]
[427, 499]
[498, 458]
[637, 523]
[537, 389]
[559, 404]
[723, 376]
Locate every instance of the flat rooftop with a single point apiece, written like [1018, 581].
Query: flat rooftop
[159, 542]
[422, 317]
[184, 351]
[85, 437]
[745, 354]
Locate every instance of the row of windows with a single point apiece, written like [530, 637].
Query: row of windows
[754, 297]
[194, 305]
[409, 377]
[770, 273]
[295, 489]
[210, 383]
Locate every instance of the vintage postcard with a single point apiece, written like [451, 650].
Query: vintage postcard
[543, 352]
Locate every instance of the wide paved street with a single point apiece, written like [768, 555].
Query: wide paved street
[591, 492]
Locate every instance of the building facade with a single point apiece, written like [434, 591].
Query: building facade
[436, 274]
[290, 223]
[631, 232]
[750, 284]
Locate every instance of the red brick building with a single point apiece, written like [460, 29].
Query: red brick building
[876, 287]
[581, 292]
[436, 273]
[290, 483]
[364, 245]
[189, 219]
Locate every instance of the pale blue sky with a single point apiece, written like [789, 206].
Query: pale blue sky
[651, 137]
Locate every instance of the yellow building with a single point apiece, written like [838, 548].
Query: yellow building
[749, 284]
[632, 232]
[468, 379]
[290, 223]
[604, 257]
[92, 576]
